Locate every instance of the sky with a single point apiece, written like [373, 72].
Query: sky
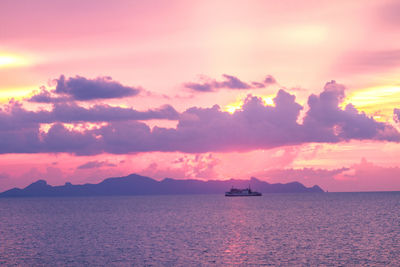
[284, 91]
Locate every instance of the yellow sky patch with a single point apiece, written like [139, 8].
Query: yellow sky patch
[238, 104]
[9, 60]
[17, 93]
[376, 101]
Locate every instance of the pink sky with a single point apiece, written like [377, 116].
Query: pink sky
[279, 90]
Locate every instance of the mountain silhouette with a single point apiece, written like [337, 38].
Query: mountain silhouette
[135, 184]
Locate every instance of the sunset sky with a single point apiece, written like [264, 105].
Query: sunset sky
[284, 91]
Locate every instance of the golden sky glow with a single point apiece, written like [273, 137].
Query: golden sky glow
[305, 34]
[16, 93]
[237, 105]
[377, 101]
[9, 60]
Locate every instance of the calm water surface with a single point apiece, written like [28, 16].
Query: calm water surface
[275, 229]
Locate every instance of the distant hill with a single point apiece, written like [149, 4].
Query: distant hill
[140, 185]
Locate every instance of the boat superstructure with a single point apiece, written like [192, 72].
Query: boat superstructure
[247, 192]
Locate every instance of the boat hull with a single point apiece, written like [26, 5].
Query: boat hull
[243, 195]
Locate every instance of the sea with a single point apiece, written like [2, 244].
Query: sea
[326, 229]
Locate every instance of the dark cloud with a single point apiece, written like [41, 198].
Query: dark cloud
[98, 113]
[22, 140]
[61, 139]
[257, 85]
[230, 82]
[199, 130]
[200, 87]
[80, 88]
[44, 96]
[83, 89]
[269, 80]
[14, 116]
[95, 164]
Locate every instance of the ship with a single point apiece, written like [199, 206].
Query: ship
[242, 193]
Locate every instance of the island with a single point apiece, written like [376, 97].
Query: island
[135, 184]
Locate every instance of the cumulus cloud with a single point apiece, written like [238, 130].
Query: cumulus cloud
[199, 130]
[256, 126]
[230, 82]
[83, 89]
[327, 122]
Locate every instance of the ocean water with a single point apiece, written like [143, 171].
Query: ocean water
[199, 230]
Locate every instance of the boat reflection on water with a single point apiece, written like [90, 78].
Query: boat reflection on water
[242, 193]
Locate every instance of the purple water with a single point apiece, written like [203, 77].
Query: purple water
[284, 229]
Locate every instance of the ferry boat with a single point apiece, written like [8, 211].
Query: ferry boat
[242, 193]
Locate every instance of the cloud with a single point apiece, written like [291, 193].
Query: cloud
[396, 115]
[83, 89]
[14, 116]
[20, 141]
[155, 171]
[200, 87]
[95, 164]
[230, 82]
[197, 166]
[185, 167]
[44, 96]
[61, 139]
[269, 80]
[74, 113]
[200, 130]
[327, 122]
[259, 126]
[256, 126]
[80, 88]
